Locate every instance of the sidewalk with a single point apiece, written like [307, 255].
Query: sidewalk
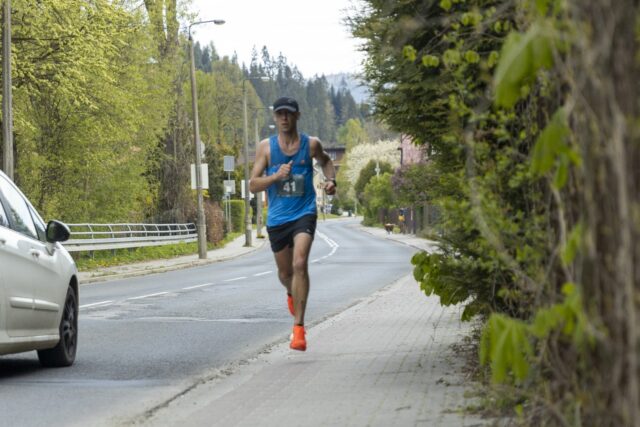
[231, 250]
[388, 360]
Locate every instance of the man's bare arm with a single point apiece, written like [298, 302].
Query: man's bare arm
[258, 182]
[325, 162]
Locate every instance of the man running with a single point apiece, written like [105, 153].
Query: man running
[291, 221]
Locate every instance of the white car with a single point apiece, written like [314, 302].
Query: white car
[38, 282]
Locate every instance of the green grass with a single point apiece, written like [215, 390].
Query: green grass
[85, 262]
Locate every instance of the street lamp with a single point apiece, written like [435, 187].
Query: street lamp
[247, 197]
[201, 225]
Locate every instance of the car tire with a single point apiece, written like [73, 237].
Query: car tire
[64, 353]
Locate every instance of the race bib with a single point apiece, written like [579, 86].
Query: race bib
[291, 187]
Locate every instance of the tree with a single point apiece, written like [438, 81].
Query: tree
[89, 108]
[352, 134]
[378, 199]
[358, 157]
[367, 174]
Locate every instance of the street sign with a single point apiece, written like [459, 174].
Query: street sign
[229, 163]
[229, 186]
[204, 175]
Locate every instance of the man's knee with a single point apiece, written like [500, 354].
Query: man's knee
[300, 265]
[285, 276]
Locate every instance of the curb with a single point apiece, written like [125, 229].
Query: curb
[430, 243]
[164, 269]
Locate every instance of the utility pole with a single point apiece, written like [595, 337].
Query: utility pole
[247, 196]
[259, 193]
[7, 114]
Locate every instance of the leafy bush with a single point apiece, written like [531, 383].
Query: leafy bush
[532, 129]
[237, 215]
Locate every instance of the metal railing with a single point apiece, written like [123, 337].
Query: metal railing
[96, 237]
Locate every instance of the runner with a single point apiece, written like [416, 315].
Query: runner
[287, 159]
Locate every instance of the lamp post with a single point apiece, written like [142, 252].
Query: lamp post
[201, 224]
[247, 196]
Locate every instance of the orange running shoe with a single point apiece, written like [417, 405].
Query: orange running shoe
[298, 342]
[290, 304]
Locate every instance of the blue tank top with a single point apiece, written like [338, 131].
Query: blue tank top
[294, 197]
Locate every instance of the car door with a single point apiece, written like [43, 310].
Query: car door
[23, 268]
[4, 300]
[50, 289]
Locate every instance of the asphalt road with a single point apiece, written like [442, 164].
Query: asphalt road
[144, 340]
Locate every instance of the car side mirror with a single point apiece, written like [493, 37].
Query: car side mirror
[57, 232]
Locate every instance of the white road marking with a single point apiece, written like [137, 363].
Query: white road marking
[95, 304]
[197, 286]
[334, 247]
[148, 296]
[262, 274]
[332, 244]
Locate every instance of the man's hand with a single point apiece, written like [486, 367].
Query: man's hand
[284, 170]
[330, 187]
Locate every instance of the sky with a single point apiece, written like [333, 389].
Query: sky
[309, 33]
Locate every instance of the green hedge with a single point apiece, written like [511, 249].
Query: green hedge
[237, 215]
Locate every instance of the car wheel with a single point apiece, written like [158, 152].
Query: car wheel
[64, 354]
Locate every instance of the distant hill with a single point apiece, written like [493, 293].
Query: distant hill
[358, 89]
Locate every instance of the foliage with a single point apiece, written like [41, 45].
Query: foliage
[237, 215]
[358, 157]
[378, 197]
[101, 259]
[367, 174]
[506, 343]
[352, 134]
[412, 183]
[88, 110]
[214, 216]
[531, 125]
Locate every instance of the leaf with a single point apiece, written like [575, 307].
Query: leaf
[572, 246]
[520, 59]
[505, 344]
[562, 173]
[471, 57]
[409, 52]
[451, 57]
[550, 143]
[446, 4]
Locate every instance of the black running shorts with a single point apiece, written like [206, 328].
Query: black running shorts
[282, 235]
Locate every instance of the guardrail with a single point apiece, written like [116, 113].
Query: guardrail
[96, 237]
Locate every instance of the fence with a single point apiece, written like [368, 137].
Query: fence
[96, 237]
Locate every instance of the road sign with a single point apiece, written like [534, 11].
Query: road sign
[229, 186]
[204, 175]
[229, 163]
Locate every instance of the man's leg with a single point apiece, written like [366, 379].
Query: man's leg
[300, 281]
[284, 262]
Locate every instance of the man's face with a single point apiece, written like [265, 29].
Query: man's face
[286, 120]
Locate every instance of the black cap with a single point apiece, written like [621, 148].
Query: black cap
[286, 103]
